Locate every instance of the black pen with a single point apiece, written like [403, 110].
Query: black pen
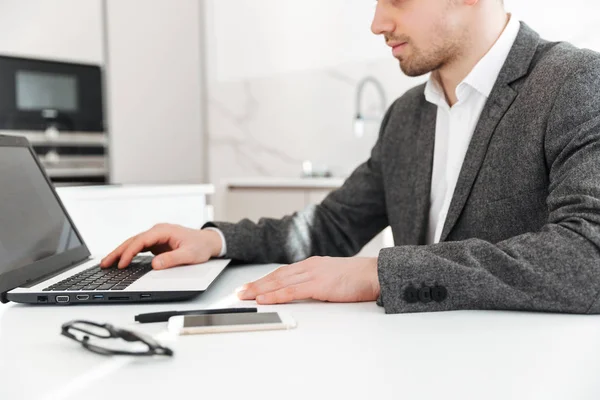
[165, 315]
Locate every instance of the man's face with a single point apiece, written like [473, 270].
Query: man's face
[425, 34]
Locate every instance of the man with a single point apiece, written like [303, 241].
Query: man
[489, 176]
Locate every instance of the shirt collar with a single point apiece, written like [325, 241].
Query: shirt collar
[433, 91]
[485, 73]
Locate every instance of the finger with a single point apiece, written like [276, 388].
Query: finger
[145, 240]
[280, 273]
[286, 295]
[111, 258]
[270, 284]
[172, 259]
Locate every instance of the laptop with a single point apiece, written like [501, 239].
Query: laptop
[44, 259]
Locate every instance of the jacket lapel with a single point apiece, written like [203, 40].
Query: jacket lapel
[423, 167]
[501, 98]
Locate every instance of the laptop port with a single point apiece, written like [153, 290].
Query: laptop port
[98, 296]
[118, 298]
[82, 297]
[62, 299]
[42, 299]
[145, 296]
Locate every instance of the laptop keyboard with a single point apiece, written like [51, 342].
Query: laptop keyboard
[95, 278]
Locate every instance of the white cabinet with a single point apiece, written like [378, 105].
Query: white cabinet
[61, 30]
[155, 91]
[271, 198]
[263, 202]
[128, 210]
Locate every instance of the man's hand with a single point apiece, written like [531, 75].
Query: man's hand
[339, 280]
[173, 244]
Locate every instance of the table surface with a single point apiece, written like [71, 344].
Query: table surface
[337, 351]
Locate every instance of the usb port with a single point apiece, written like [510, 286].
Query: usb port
[98, 296]
[62, 299]
[145, 296]
[82, 297]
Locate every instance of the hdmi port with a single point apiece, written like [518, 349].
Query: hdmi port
[83, 297]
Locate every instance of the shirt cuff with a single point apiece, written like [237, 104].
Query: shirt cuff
[223, 242]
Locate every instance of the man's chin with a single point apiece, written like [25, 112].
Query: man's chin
[410, 71]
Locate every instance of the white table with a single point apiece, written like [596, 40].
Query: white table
[338, 351]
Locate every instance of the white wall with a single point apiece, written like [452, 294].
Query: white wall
[253, 38]
[273, 105]
[576, 21]
[154, 92]
[64, 30]
[282, 83]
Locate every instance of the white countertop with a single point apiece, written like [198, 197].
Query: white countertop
[117, 191]
[284, 183]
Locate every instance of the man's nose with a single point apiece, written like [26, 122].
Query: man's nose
[382, 21]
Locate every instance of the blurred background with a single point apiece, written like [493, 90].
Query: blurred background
[274, 102]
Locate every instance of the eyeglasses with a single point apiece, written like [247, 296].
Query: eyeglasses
[83, 331]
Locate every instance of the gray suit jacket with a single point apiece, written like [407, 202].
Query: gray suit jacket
[523, 229]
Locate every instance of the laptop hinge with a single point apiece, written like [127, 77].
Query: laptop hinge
[3, 298]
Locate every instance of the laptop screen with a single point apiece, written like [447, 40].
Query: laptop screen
[33, 225]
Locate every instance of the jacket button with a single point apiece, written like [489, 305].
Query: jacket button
[411, 295]
[439, 293]
[425, 294]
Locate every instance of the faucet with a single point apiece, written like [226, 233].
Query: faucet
[359, 121]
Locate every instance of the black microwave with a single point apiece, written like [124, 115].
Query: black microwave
[37, 94]
[58, 107]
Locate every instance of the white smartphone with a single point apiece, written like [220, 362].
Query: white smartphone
[237, 322]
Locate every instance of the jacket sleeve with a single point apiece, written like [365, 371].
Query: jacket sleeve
[556, 269]
[340, 226]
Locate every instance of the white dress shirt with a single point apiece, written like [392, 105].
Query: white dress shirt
[223, 241]
[455, 126]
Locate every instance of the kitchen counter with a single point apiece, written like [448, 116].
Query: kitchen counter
[284, 183]
[256, 198]
[120, 191]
